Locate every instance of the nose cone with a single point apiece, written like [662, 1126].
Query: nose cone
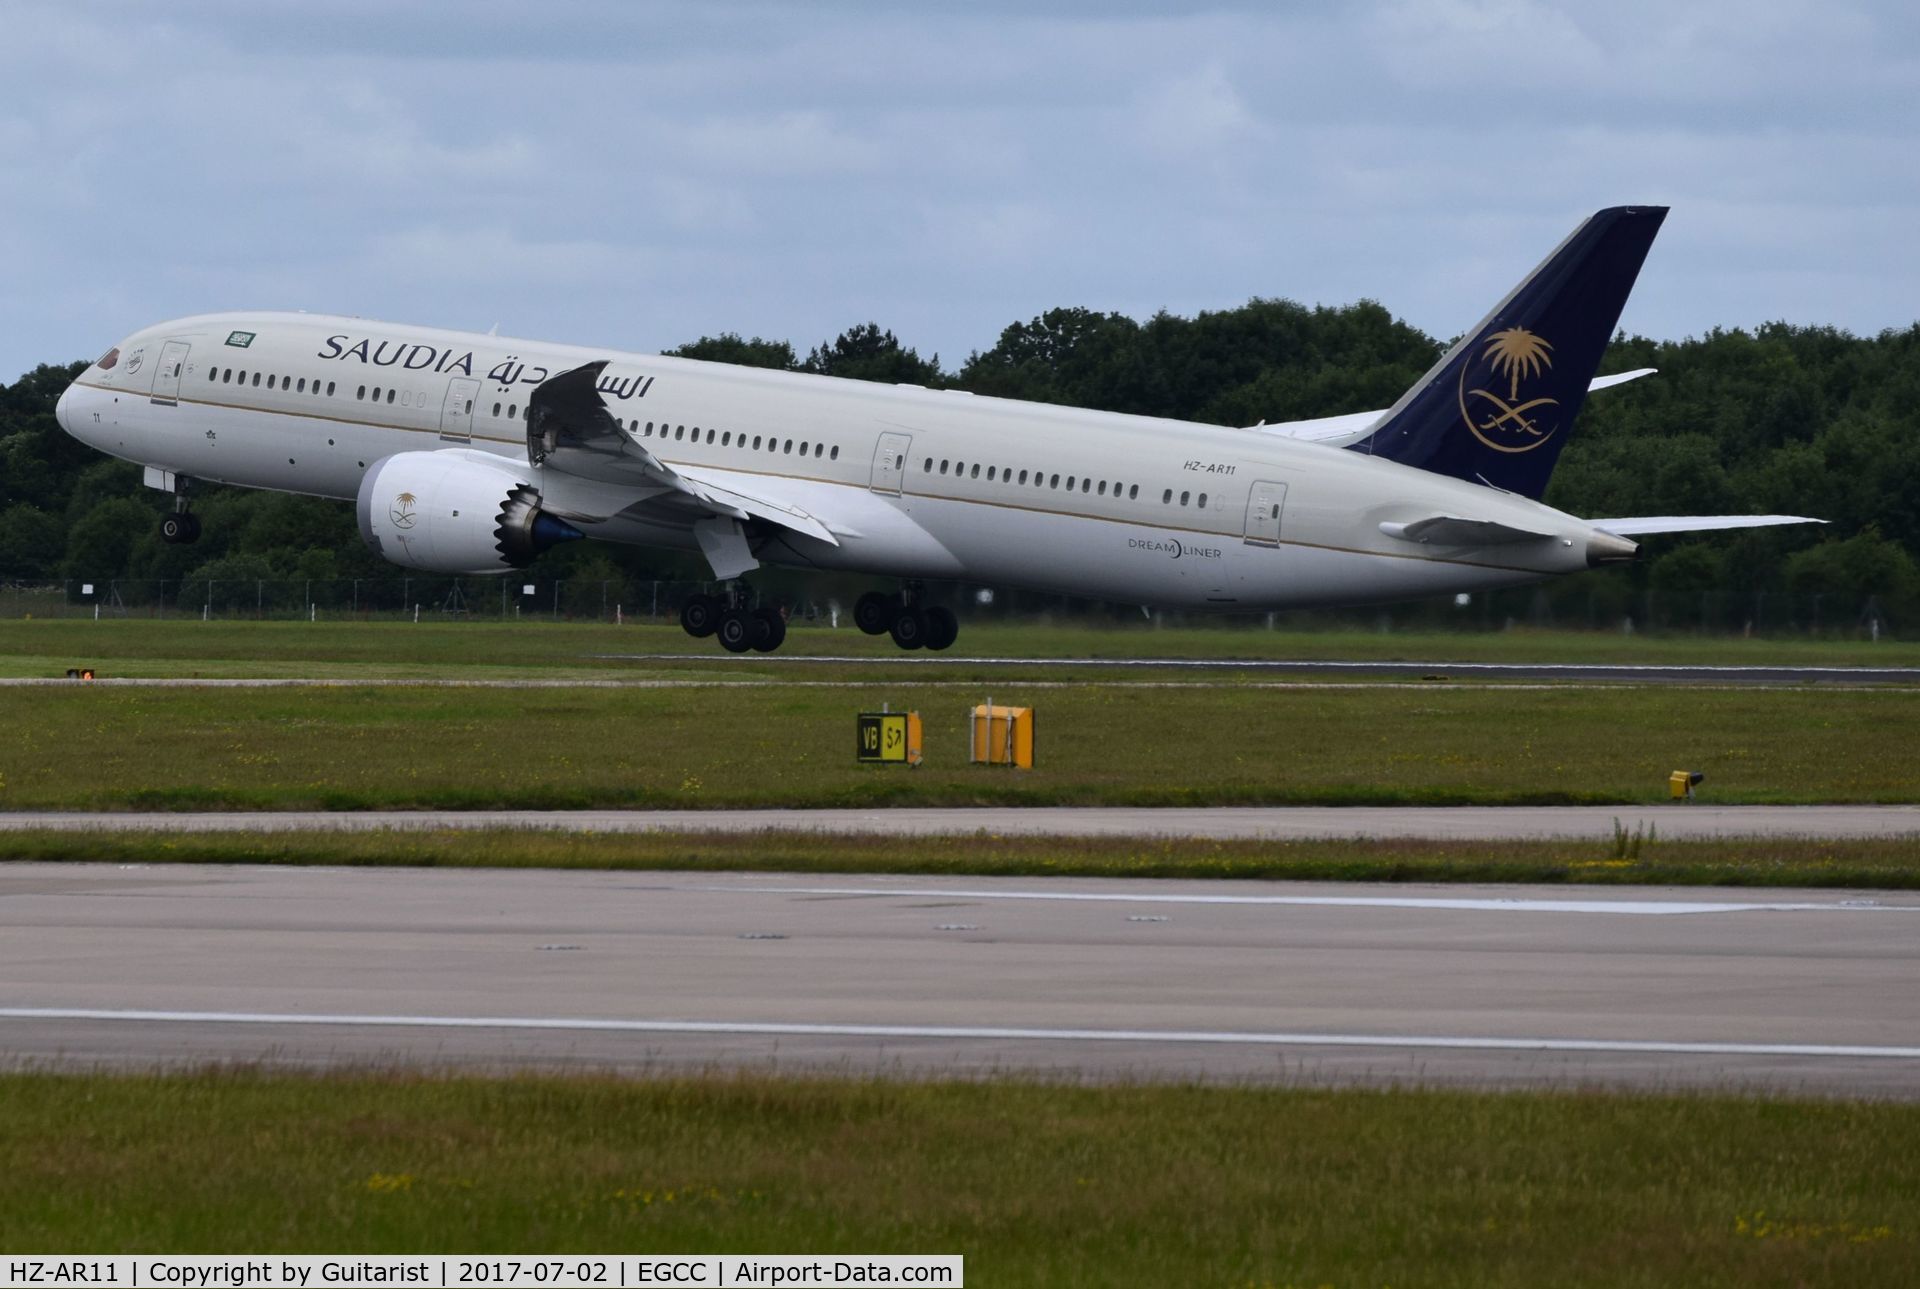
[63, 411]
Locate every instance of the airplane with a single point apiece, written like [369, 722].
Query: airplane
[472, 454]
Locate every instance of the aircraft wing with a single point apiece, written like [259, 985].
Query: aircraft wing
[1351, 426]
[569, 429]
[1646, 524]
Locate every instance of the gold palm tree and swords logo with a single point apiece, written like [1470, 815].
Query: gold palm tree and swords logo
[1509, 424]
[402, 511]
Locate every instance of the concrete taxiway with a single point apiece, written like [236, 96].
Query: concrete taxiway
[1277, 823]
[1798, 991]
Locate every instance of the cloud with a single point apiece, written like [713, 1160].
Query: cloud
[640, 175]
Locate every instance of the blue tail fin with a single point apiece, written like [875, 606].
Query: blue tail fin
[1497, 408]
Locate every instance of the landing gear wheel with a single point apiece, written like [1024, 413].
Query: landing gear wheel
[699, 616]
[909, 628]
[737, 630]
[773, 630]
[942, 627]
[873, 613]
[179, 528]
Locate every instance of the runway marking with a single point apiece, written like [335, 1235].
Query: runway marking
[1644, 908]
[983, 1032]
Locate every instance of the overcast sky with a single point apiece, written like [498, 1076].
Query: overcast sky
[638, 175]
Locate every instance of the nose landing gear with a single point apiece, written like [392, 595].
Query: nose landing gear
[182, 526]
[902, 617]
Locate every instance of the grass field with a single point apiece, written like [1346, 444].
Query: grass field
[1621, 860]
[93, 747]
[1034, 1184]
[144, 647]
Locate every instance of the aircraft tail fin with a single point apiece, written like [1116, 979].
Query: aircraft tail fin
[1497, 408]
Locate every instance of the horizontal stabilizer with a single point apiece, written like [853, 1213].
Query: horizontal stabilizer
[1646, 524]
[1452, 530]
[1351, 426]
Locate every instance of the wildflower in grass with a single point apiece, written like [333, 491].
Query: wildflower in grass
[388, 1183]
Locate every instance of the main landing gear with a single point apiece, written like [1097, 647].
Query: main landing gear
[902, 617]
[182, 526]
[738, 627]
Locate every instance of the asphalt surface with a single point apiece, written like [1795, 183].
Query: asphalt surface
[138, 966]
[1683, 673]
[1467, 823]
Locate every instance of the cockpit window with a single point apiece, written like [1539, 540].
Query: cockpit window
[108, 359]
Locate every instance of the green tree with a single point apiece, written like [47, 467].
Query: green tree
[30, 542]
[728, 347]
[868, 353]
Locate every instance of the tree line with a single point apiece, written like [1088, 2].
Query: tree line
[1784, 418]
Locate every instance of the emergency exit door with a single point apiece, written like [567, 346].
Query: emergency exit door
[456, 414]
[1264, 505]
[890, 462]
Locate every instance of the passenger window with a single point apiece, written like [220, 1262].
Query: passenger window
[226, 375]
[512, 408]
[928, 467]
[213, 374]
[1056, 481]
[389, 396]
[789, 448]
[989, 474]
[726, 440]
[363, 392]
[1133, 492]
[835, 456]
[1069, 483]
[709, 436]
[329, 389]
[1184, 496]
[469, 411]
[943, 465]
[303, 386]
[1103, 487]
[256, 380]
[1203, 501]
[976, 472]
[496, 409]
[1023, 476]
[1166, 497]
[1086, 485]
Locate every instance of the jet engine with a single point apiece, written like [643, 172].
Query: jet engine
[455, 511]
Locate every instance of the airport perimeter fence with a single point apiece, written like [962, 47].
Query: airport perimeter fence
[1597, 606]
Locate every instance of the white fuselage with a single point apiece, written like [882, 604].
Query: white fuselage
[1087, 503]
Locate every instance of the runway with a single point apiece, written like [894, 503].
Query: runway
[1274, 823]
[1632, 672]
[1485, 986]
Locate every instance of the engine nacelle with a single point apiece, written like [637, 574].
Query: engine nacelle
[455, 511]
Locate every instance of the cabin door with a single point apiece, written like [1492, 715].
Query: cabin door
[1264, 505]
[456, 414]
[166, 373]
[890, 462]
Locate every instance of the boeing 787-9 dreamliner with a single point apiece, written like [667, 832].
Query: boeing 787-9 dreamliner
[468, 454]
